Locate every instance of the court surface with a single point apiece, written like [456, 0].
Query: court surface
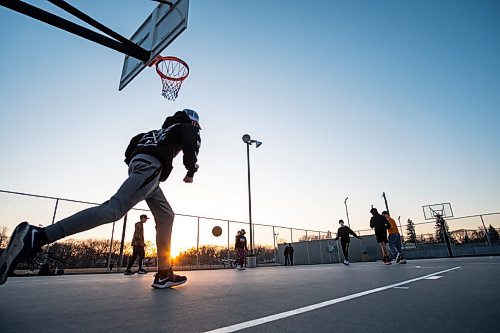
[441, 295]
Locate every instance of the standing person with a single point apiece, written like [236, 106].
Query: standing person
[240, 246]
[149, 158]
[380, 224]
[290, 253]
[394, 239]
[138, 246]
[343, 233]
[287, 255]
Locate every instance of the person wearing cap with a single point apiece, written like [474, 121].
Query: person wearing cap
[343, 233]
[138, 246]
[240, 245]
[394, 239]
[149, 158]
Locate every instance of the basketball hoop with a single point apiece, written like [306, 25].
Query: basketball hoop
[172, 72]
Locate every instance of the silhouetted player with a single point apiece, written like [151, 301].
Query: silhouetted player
[240, 245]
[380, 224]
[343, 233]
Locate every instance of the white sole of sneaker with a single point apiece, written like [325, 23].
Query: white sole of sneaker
[11, 253]
[167, 285]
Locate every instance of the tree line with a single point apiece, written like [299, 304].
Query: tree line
[458, 236]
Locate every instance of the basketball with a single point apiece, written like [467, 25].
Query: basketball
[217, 231]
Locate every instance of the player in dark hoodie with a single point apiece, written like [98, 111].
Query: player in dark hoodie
[380, 224]
[343, 233]
[149, 158]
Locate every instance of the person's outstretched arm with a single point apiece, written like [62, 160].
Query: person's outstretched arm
[191, 143]
[354, 234]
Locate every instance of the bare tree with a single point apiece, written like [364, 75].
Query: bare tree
[461, 235]
[4, 238]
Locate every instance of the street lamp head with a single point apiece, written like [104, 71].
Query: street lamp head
[257, 144]
[246, 138]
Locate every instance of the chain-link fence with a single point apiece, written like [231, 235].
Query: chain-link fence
[108, 248]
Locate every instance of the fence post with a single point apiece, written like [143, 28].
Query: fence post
[488, 239]
[329, 250]
[274, 246]
[360, 245]
[111, 247]
[291, 235]
[198, 245]
[123, 243]
[228, 239]
[55, 211]
[320, 250]
[307, 250]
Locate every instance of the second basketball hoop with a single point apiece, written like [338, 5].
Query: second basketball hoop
[172, 71]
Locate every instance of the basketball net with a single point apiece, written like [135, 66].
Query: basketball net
[172, 71]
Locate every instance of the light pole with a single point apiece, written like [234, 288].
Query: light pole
[346, 212]
[248, 140]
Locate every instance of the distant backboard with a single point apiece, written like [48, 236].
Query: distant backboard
[443, 209]
[160, 29]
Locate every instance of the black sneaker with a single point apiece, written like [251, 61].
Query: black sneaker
[128, 272]
[142, 271]
[26, 241]
[398, 258]
[167, 279]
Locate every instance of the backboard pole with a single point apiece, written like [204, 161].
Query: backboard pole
[444, 232]
[385, 201]
[87, 19]
[131, 49]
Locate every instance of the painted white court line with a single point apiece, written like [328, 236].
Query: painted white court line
[434, 277]
[282, 315]
[401, 287]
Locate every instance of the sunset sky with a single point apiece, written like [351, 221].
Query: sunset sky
[350, 99]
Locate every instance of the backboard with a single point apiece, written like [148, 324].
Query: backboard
[443, 209]
[160, 29]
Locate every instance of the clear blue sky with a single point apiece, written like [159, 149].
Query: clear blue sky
[351, 98]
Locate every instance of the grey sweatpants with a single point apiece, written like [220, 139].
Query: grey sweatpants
[143, 183]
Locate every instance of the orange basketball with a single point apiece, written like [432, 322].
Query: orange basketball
[217, 231]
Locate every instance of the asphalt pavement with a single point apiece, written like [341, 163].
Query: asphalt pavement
[440, 295]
